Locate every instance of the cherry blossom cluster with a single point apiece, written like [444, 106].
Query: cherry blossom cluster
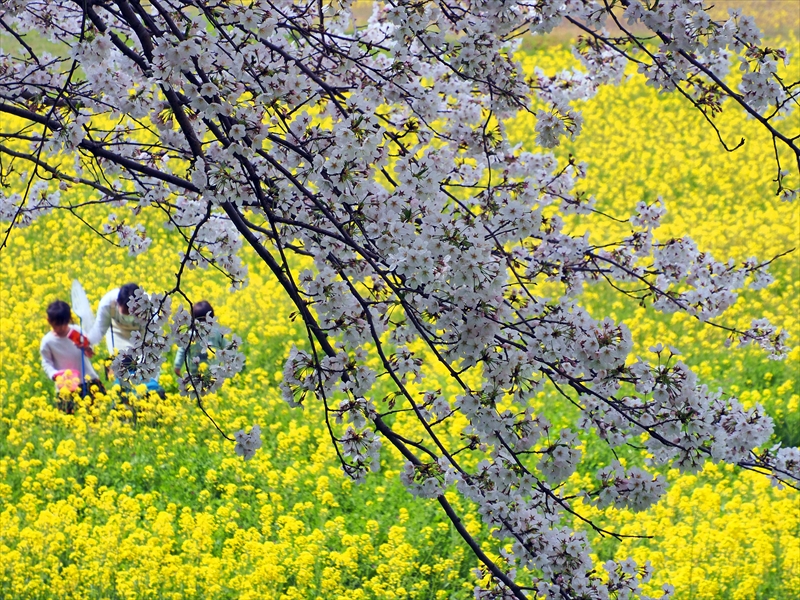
[361, 450]
[20, 211]
[247, 443]
[131, 237]
[766, 335]
[636, 489]
[786, 461]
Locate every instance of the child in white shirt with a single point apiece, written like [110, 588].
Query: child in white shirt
[66, 353]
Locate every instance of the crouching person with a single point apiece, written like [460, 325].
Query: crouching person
[66, 357]
[196, 357]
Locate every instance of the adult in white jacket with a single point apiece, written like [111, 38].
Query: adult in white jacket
[114, 320]
[117, 324]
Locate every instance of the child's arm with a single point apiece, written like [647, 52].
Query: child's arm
[48, 361]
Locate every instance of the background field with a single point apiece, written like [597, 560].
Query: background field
[96, 505]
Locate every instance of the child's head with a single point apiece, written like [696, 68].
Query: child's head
[125, 294]
[59, 316]
[201, 310]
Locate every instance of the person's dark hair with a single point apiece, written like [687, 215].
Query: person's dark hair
[201, 310]
[59, 313]
[126, 293]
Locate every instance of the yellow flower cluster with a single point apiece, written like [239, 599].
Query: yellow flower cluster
[147, 501]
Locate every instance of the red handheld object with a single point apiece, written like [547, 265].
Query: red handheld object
[81, 341]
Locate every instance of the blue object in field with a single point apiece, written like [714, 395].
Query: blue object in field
[153, 386]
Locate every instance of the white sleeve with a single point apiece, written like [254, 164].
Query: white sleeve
[103, 320]
[47, 359]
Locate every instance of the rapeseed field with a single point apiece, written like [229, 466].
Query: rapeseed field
[108, 504]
